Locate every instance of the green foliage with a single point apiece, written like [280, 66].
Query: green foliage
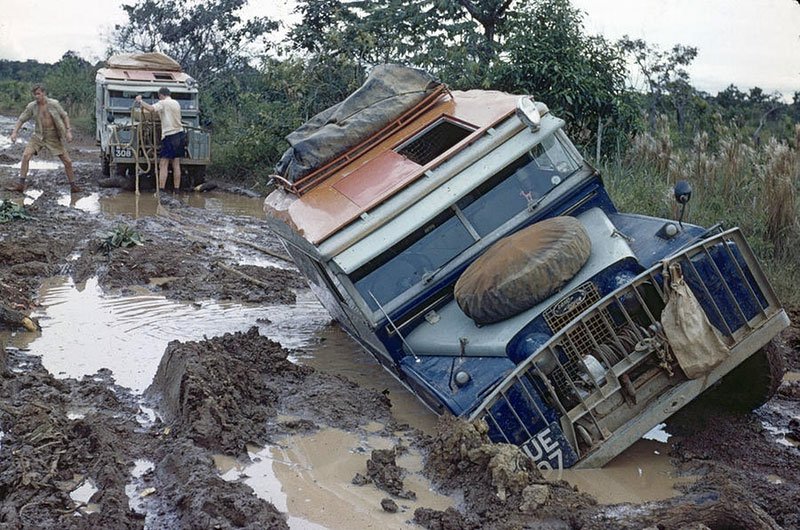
[736, 182]
[71, 81]
[14, 95]
[209, 39]
[123, 236]
[581, 77]
[10, 211]
[250, 129]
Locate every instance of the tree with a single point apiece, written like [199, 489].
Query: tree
[71, 80]
[208, 38]
[665, 77]
[547, 54]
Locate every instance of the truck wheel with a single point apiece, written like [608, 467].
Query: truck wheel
[197, 175]
[106, 165]
[752, 383]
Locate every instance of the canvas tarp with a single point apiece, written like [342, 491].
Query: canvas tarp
[143, 61]
[389, 91]
[697, 345]
[521, 270]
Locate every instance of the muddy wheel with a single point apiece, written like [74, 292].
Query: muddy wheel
[751, 384]
[106, 163]
[196, 174]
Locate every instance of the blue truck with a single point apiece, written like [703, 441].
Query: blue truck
[462, 239]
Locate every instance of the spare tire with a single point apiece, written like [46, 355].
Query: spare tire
[523, 269]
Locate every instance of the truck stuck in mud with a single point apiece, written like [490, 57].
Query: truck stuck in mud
[128, 136]
[462, 239]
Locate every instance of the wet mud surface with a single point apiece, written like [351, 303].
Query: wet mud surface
[88, 453]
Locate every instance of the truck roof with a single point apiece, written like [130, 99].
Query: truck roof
[156, 77]
[352, 188]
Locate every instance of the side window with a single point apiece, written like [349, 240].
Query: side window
[403, 266]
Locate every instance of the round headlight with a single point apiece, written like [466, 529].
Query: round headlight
[528, 113]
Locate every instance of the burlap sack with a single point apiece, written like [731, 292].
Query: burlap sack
[697, 345]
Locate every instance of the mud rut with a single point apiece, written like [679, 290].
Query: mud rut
[220, 394]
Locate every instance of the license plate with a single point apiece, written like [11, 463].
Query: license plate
[123, 152]
[550, 449]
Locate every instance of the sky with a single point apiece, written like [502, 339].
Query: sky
[742, 42]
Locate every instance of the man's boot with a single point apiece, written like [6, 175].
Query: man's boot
[19, 186]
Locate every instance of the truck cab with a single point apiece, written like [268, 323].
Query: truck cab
[573, 364]
[129, 139]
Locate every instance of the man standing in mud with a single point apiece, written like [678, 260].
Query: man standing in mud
[52, 130]
[172, 136]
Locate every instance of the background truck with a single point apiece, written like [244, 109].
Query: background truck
[129, 138]
[464, 241]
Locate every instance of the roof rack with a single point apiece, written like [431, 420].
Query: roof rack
[306, 183]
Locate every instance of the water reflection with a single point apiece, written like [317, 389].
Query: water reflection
[147, 204]
[84, 330]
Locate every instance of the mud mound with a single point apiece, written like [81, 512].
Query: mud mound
[197, 498]
[45, 455]
[383, 471]
[184, 272]
[218, 392]
[222, 391]
[502, 487]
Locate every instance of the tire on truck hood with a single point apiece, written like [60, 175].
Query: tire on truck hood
[522, 269]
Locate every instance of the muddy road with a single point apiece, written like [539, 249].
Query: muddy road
[194, 382]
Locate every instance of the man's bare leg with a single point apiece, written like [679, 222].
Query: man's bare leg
[163, 170]
[23, 172]
[70, 172]
[176, 173]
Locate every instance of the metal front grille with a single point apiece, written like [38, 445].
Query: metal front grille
[578, 340]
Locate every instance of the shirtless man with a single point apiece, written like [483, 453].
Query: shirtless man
[52, 129]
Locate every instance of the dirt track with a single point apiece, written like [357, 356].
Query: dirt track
[220, 394]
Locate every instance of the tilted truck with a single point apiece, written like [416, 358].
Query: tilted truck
[461, 238]
[128, 137]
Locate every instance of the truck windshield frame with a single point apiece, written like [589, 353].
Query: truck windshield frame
[517, 188]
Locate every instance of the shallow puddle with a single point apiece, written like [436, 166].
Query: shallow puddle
[147, 204]
[641, 473]
[129, 334]
[309, 477]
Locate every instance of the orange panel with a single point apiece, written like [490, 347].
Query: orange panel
[377, 178]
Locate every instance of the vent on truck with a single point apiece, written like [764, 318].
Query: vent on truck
[434, 141]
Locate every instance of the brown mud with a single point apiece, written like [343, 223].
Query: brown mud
[222, 394]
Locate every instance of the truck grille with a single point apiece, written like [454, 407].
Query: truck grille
[581, 340]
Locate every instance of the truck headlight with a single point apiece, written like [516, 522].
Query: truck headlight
[528, 113]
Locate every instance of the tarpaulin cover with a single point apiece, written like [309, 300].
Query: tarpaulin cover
[143, 61]
[697, 345]
[389, 91]
[523, 269]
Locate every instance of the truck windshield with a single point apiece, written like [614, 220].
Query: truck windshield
[517, 187]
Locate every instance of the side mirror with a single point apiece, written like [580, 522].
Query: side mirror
[683, 192]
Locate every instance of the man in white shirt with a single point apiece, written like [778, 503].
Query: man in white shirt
[173, 137]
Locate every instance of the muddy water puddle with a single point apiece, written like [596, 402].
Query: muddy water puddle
[309, 478]
[642, 473]
[129, 334]
[147, 203]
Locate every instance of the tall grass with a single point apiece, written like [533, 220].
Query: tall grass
[735, 182]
